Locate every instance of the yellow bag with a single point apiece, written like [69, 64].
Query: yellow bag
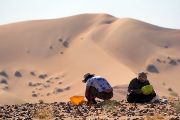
[148, 89]
[77, 100]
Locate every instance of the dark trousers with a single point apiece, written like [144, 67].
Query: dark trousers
[139, 98]
[93, 93]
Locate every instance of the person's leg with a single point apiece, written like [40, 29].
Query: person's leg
[132, 97]
[145, 98]
[150, 97]
[93, 94]
[105, 95]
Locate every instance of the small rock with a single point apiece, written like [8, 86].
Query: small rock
[4, 81]
[43, 76]
[5, 88]
[60, 40]
[34, 95]
[152, 68]
[33, 73]
[172, 62]
[170, 89]
[67, 88]
[58, 90]
[3, 73]
[18, 74]
[66, 44]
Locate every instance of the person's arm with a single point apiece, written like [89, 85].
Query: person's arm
[131, 87]
[87, 93]
[148, 83]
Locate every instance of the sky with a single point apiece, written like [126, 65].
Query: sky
[164, 13]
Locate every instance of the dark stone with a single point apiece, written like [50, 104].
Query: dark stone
[5, 88]
[43, 76]
[67, 88]
[58, 90]
[34, 95]
[51, 47]
[66, 44]
[152, 68]
[4, 74]
[33, 73]
[170, 89]
[172, 62]
[30, 84]
[60, 40]
[18, 74]
[158, 60]
[4, 81]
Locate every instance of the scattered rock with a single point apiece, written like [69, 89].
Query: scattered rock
[178, 60]
[164, 83]
[59, 83]
[107, 21]
[4, 81]
[158, 60]
[33, 73]
[57, 90]
[152, 68]
[28, 51]
[67, 88]
[172, 62]
[18, 74]
[34, 84]
[51, 47]
[41, 101]
[4, 74]
[170, 89]
[5, 88]
[46, 85]
[66, 44]
[34, 95]
[30, 84]
[43, 76]
[60, 40]
[56, 78]
[66, 110]
[48, 81]
[166, 46]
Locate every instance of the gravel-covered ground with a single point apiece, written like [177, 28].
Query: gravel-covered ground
[103, 110]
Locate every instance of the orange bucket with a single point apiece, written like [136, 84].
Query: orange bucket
[77, 100]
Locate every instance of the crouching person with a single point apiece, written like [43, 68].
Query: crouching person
[140, 90]
[97, 86]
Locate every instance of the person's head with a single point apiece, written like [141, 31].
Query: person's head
[87, 76]
[142, 76]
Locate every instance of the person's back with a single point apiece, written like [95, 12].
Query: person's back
[97, 86]
[99, 83]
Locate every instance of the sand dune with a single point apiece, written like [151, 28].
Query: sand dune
[51, 56]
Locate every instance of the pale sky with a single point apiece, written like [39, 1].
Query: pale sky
[165, 13]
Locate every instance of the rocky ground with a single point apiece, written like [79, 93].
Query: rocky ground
[112, 109]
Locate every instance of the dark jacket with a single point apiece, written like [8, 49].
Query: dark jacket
[136, 84]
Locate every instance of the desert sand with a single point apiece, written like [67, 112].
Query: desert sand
[46, 59]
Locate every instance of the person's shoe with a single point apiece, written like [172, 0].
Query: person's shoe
[155, 100]
[94, 101]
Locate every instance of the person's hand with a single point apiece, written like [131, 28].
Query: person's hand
[137, 91]
[89, 103]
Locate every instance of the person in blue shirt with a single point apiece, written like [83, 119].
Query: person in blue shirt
[97, 86]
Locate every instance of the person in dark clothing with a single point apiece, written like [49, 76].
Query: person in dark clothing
[97, 86]
[135, 94]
